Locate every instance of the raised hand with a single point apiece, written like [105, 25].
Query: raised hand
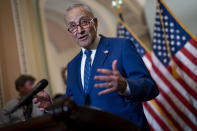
[43, 100]
[113, 80]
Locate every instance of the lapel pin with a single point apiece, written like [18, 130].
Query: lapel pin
[106, 51]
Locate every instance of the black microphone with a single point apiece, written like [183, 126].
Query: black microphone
[28, 98]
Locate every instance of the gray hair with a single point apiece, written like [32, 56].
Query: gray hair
[76, 5]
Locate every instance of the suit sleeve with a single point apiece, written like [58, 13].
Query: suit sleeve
[68, 88]
[142, 86]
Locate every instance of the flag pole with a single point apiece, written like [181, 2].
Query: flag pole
[174, 66]
[119, 11]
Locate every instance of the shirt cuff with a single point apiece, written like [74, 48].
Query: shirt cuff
[127, 91]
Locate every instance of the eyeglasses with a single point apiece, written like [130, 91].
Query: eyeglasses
[84, 23]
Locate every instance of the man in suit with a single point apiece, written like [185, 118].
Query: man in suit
[108, 73]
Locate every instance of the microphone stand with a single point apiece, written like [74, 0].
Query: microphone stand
[28, 110]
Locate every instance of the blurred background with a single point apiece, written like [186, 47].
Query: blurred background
[34, 39]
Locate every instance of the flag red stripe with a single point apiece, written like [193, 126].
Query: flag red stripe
[176, 109]
[150, 127]
[180, 80]
[181, 98]
[149, 57]
[189, 55]
[185, 69]
[184, 84]
[163, 107]
[193, 42]
[156, 117]
[180, 113]
[174, 90]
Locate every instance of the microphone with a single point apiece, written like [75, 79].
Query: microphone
[28, 98]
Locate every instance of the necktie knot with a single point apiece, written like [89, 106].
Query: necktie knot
[88, 53]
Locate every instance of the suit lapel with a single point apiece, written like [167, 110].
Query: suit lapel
[101, 54]
[78, 72]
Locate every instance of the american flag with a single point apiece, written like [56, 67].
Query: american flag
[176, 106]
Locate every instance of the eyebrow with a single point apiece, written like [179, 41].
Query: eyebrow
[81, 17]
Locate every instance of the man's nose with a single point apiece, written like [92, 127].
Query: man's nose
[79, 29]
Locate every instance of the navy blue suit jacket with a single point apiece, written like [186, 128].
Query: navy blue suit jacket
[131, 67]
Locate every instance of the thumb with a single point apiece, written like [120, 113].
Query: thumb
[114, 66]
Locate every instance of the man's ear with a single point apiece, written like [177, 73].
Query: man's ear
[95, 22]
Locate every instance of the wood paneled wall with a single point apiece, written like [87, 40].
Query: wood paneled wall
[9, 60]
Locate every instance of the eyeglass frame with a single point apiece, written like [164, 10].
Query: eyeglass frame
[80, 26]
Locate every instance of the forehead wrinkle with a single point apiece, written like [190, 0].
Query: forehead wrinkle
[80, 18]
[77, 21]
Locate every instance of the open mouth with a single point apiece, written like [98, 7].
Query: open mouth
[84, 37]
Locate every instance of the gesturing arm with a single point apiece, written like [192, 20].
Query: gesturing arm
[141, 85]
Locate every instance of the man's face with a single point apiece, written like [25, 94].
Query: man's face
[84, 25]
[28, 86]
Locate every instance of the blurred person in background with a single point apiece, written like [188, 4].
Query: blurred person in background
[23, 85]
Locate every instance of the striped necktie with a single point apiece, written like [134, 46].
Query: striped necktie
[87, 70]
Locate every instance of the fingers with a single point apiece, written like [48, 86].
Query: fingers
[107, 85]
[114, 66]
[103, 78]
[42, 100]
[43, 105]
[108, 90]
[42, 94]
[110, 76]
[35, 100]
[109, 72]
[105, 71]
[103, 85]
